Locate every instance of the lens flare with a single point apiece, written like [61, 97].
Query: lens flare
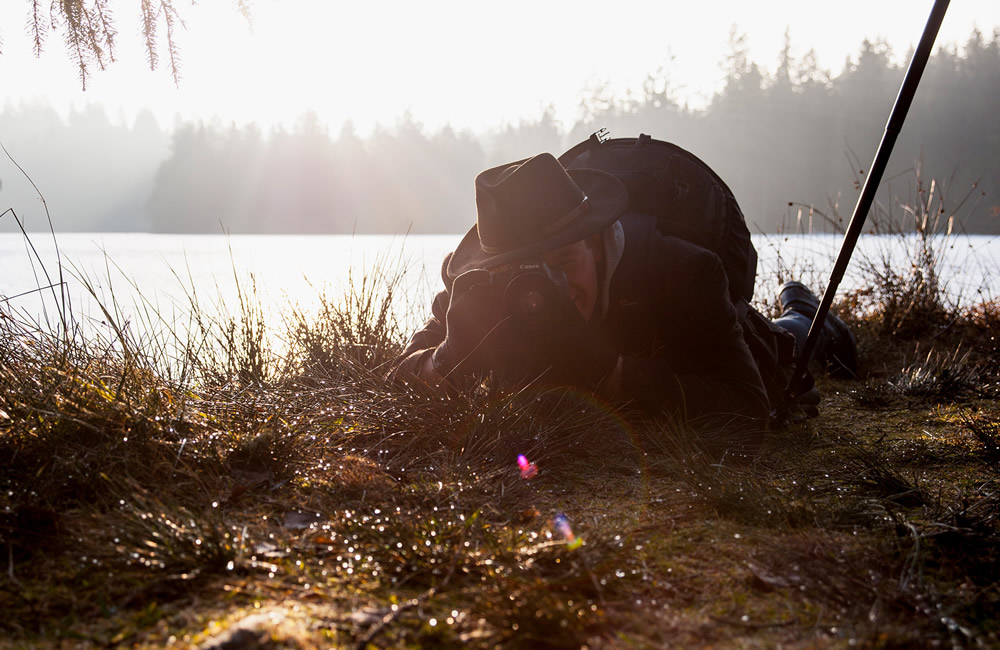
[561, 524]
[528, 470]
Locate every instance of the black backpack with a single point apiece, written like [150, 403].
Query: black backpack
[688, 199]
[691, 202]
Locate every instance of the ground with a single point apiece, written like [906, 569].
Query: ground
[240, 498]
[872, 525]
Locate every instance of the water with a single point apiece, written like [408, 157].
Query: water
[144, 272]
[165, 272]
[968, 265]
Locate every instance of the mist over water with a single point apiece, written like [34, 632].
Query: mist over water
[792, 144]
[143, 274]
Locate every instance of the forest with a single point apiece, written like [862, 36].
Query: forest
[792, 141]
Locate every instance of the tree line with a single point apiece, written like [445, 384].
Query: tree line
[791, 143]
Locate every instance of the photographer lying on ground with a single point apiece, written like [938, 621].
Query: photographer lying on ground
[563, 282]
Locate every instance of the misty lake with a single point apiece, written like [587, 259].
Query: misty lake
[149, 272]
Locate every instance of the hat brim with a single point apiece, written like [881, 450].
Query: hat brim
[608, 199]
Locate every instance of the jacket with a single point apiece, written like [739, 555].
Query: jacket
[670, 316]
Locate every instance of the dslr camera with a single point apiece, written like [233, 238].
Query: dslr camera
[532, 293]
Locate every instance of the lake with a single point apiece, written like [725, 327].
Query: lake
[293, 269]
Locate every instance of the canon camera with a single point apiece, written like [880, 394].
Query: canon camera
[533, 293]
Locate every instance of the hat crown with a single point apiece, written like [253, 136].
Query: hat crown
[521, 202]
[532, 206]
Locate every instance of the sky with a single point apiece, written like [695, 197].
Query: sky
[460, 62]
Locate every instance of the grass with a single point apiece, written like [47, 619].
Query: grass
[229, 483]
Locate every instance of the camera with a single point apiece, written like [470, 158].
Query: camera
[533, 293]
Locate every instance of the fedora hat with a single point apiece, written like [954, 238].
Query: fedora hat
[534, 205]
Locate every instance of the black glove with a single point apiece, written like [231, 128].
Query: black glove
[475, 323]
[578, 354]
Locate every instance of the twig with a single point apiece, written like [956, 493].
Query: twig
[45, 206]
[25, 293]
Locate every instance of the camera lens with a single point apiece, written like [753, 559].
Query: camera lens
[530, 296]
[531, 301]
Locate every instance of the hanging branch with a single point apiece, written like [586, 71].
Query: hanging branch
[89, 31]
[149, 32]
[171, 18]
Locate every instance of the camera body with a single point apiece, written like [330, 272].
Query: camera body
[532, 293]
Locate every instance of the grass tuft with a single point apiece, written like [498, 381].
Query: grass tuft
[940, 377]
[223, 477]
[986, 431]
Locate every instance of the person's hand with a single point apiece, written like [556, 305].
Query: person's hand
[474, 323]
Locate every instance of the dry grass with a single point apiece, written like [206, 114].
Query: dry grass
[287, 495]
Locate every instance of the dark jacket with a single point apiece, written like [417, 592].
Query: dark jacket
[670, 316]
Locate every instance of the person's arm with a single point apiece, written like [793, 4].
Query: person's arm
[415, 359]
[464, 336]
[707, 369]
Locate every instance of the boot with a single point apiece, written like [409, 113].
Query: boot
[836, 347]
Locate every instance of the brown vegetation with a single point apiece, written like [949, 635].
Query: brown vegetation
[226, 492]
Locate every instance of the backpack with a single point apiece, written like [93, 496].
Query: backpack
[688, 199]
[692, 203]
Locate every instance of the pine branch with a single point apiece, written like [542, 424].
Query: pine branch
[171, 19]
[243, 6]
[37, 27]
[106, 26]
[75, 36]
[90, 33]
[149, 32]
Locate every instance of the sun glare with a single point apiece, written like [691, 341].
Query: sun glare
[469, 64]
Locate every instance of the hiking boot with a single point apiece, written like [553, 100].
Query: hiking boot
[836, 347]
[795, 296]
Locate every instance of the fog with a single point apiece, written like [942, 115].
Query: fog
[801, 136]
[95, 173]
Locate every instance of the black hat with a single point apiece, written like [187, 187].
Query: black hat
[532, 206]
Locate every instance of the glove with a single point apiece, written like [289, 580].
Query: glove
[579, 355]
[474, 323]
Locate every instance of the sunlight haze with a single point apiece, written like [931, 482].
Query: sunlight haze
[471, 65]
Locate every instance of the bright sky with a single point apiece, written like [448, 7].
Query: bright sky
[463, 62]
